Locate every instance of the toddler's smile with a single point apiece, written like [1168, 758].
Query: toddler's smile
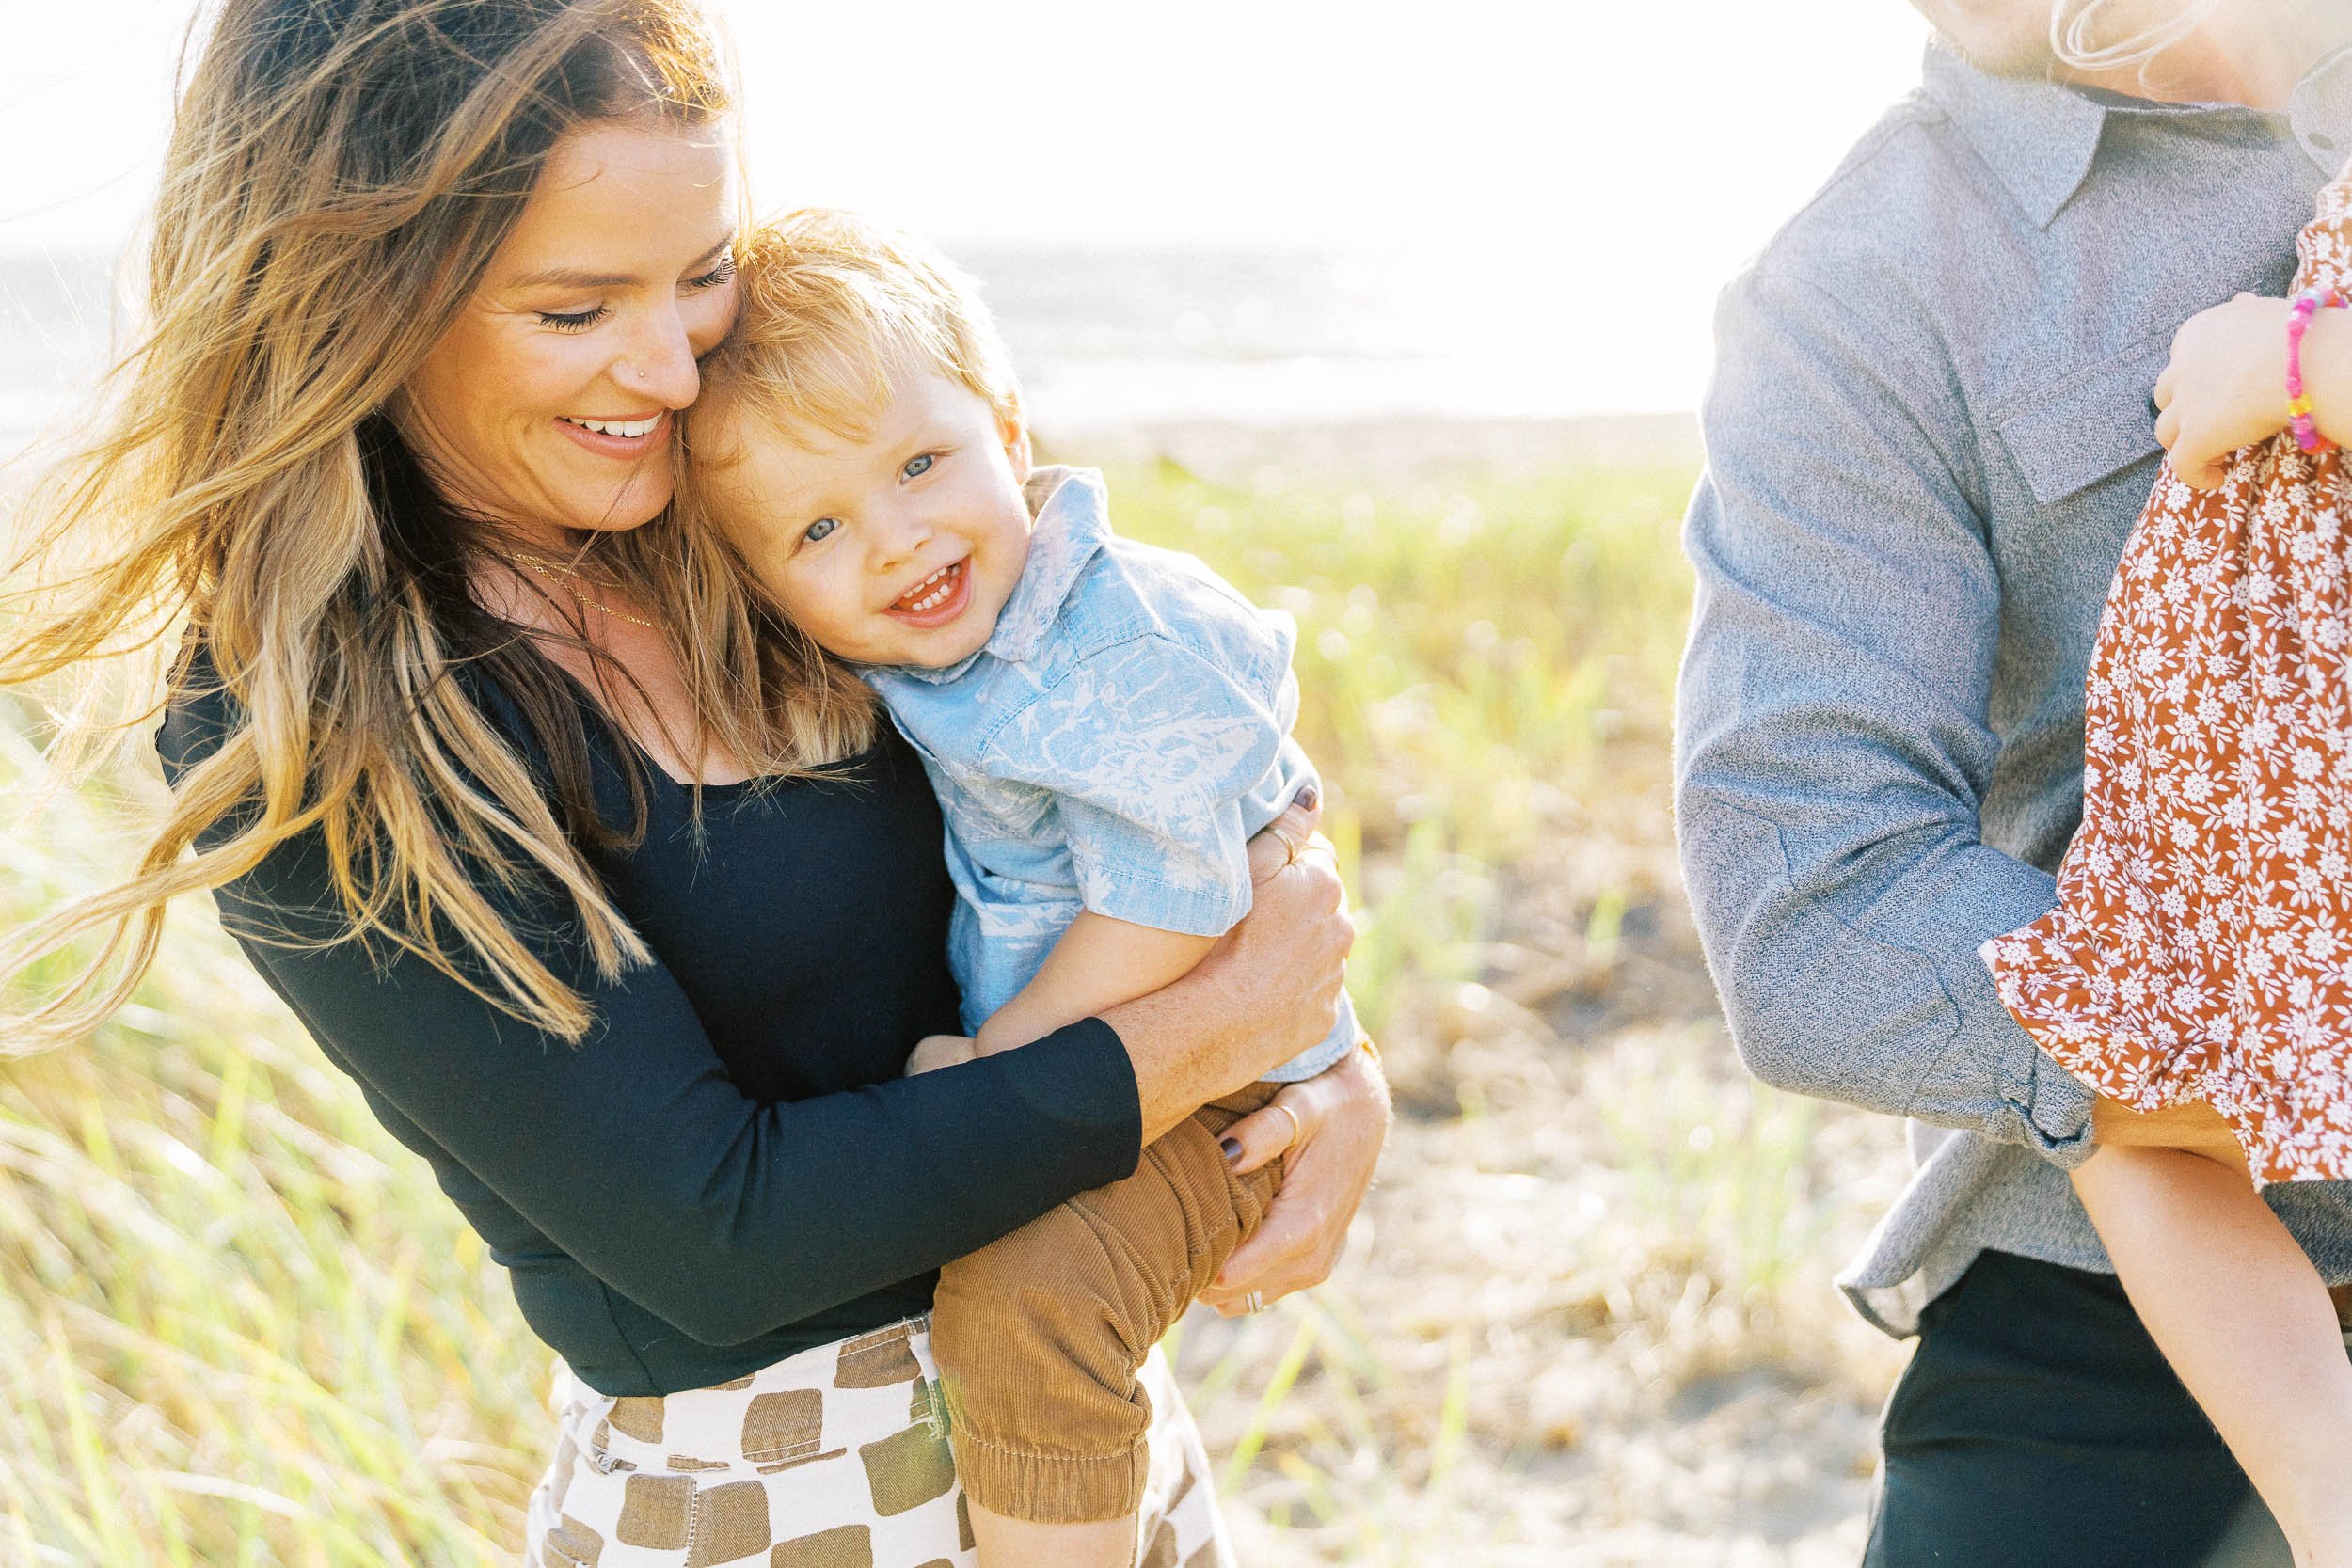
[938, 598]
[898, 545]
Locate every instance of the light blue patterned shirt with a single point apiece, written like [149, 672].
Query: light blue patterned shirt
[1113, 746]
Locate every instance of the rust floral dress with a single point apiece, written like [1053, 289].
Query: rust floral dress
[2202, 947]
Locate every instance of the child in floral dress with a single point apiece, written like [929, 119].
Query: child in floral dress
[2197, 972]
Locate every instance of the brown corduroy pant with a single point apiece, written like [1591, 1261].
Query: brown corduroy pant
[1040, 1334]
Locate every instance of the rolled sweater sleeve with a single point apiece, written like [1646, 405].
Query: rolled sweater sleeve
[636, 1154]
[1832, 745]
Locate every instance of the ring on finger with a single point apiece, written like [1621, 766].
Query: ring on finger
[1298, 1129]
[1254, 1302]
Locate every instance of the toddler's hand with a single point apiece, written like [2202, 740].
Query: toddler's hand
[939, 1050]
[2225, 386]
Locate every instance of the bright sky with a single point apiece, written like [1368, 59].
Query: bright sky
[1595, 153]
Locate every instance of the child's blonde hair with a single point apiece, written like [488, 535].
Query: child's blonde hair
[832, 305]
[2084, 34]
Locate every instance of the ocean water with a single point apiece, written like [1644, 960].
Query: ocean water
[1126, 340]
[53, 338]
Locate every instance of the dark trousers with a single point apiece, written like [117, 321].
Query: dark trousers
[2039, 1425]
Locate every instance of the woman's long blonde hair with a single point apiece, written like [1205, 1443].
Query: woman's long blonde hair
[339, 174]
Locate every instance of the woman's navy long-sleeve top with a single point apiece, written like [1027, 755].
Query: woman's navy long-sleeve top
[728, 1168]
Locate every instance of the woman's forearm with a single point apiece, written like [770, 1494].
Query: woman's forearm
[637, 1156]
[1184, 1043]
[1269, 989]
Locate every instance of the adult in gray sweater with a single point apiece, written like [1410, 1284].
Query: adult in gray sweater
[1928, 437]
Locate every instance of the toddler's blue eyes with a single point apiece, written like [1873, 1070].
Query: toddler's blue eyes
[916, 468]
[821, 527]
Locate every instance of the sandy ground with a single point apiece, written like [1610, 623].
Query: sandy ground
[1613, 1257]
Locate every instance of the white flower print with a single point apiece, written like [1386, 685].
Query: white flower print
[2201, 948]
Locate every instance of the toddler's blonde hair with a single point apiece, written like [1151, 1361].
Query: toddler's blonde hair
[2084, 34]
[832, 306]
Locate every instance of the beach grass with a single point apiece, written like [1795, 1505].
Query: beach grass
[1587, 1320]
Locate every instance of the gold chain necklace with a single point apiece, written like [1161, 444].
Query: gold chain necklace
[567, 578]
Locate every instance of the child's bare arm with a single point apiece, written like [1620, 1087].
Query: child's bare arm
[2242, 1315]
[2193, 1126]
[2225, 386]
[1098, 963]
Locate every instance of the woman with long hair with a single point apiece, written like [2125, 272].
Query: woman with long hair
[623, 911]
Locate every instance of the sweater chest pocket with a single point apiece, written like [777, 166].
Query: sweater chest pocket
[2088, 425]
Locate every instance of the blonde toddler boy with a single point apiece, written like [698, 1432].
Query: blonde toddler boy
[1105, 725]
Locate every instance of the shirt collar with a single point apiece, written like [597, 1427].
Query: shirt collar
[2040, 137]
[1071, 518]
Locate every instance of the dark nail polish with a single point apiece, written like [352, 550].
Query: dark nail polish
[1233, 1149]
[1308, 796]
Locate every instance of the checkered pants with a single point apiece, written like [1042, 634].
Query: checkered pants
[833, 1458]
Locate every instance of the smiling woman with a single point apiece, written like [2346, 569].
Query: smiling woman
[547, 403]
[453, 737]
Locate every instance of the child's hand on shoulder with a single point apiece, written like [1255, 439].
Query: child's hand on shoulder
[939, 1050]
[2225, 386]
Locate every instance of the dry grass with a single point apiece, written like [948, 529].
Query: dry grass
[1588, 1319]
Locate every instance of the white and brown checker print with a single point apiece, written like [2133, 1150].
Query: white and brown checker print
[835, 1458]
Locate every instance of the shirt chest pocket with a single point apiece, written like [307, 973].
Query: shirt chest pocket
[2086, 426]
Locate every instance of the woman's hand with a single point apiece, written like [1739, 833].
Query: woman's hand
[1269, 989]
[1289, 953]
[2225, 386]
[1298, 898]
[2196, 1127]
[934, 1052]
[1342, 1119]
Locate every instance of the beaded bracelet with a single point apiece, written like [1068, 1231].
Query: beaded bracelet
[2307, 304]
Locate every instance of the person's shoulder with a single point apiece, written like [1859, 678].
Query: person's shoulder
[1141, 618]
[1134, 591]
[1908, 195]
[1144, 632]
